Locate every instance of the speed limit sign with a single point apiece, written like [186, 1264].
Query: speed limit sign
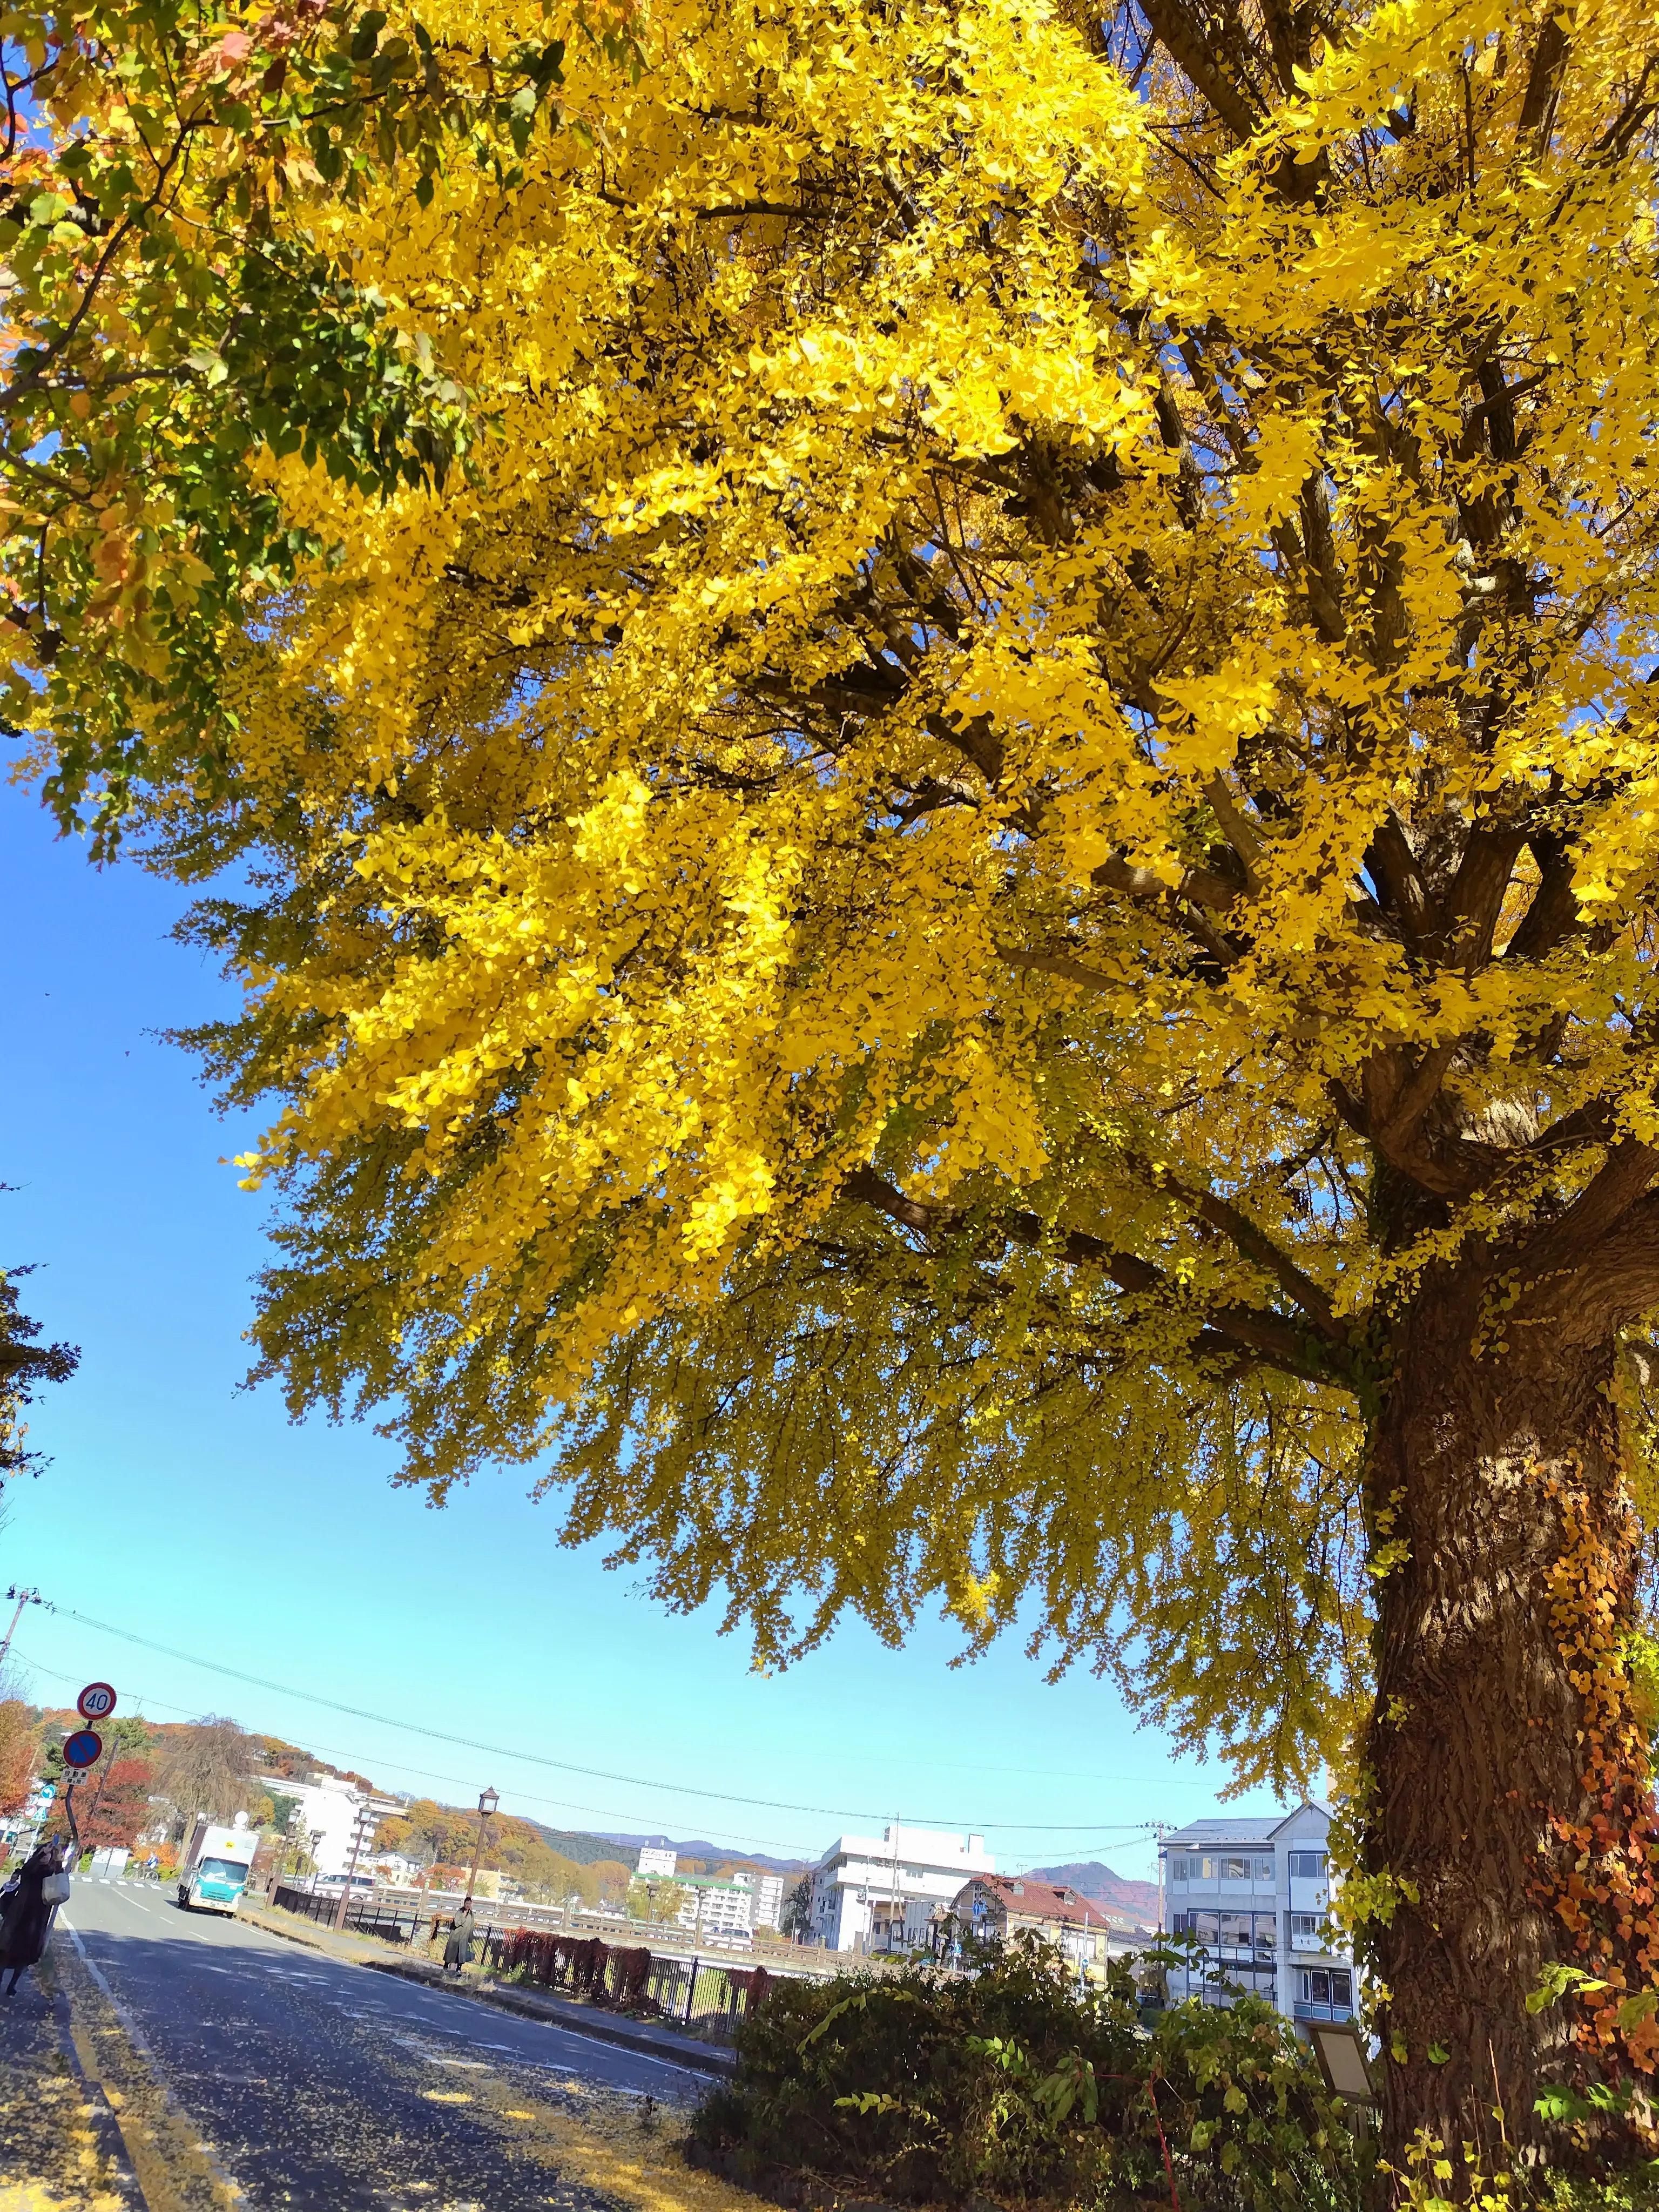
[96, 1702]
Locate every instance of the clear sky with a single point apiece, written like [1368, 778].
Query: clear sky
[185, 1510]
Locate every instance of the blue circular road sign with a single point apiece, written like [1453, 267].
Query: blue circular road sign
[83, 1749]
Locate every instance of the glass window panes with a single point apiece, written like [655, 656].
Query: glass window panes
[1307, 1866]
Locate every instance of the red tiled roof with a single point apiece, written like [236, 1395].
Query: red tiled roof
[1038, 1900]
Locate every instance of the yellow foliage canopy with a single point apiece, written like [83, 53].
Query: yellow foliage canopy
[1019, 787]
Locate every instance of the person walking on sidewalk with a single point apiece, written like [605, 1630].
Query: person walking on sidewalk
[458, 1952]
[28, 1904]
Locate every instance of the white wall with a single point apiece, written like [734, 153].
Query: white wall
[921, 1866]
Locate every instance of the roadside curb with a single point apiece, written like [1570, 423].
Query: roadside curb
[105, 2126]
[631, 2035]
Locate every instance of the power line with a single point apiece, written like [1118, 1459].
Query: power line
[1084, 1828]
[758, 1844]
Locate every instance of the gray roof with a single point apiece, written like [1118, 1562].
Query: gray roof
[1260, 1830]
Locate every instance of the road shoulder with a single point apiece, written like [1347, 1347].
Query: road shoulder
[60, 2144]
[175, 2170]
[665, 2043]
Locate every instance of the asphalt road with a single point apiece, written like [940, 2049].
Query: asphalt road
[316, 2083]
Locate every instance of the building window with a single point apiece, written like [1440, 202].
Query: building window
[1308, 1932]
[1307, 1866]
[1327, 1985]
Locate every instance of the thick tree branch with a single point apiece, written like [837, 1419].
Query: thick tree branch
[1272, 1337]
[1195, 56]
[1198, 886]
[1253, 1244]
[1577, 1238]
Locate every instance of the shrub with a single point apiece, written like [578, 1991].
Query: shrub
[1005, 2083]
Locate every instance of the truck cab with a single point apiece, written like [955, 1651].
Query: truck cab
[215, 1870]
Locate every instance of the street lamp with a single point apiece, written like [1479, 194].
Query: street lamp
[488, 1801]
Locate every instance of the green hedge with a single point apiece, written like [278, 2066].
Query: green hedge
[1006, 2084]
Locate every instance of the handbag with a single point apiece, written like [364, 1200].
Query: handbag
[55, 1889]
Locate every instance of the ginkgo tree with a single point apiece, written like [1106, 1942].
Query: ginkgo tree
[975, 923]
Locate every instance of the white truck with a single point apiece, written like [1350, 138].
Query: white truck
[215, 1870]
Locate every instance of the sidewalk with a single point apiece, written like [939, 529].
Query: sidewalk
[533, 2004]
[60, 2148]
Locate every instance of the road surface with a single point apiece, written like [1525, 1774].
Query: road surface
[314, 2083]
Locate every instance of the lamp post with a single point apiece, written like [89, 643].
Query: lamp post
[488, 1801]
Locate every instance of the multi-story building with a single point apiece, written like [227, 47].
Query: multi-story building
[998, 1907]
[335, 1819]
[1256, 1894]
[878, 1894]
[707, 1907]
[766, 1890]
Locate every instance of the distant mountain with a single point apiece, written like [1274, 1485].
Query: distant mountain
[718, 1853]
[584, 1849]
[1126, 1904]
[576, 1843]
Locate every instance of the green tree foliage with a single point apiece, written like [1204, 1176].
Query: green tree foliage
[24, 1364]
[174, 323]
[1006, 2084]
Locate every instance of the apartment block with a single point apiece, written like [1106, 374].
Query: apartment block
[1256, 1894]
[766, 1890]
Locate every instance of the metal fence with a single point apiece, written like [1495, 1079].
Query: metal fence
[694, 1993]
[391, 1924]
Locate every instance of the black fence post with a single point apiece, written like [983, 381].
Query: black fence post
[690, 1991]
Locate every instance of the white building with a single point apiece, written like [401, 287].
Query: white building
[871, 1893]
[335, 1817]
[707, 1907]
[652, 1860]
[1255, 1893]
[714, 1908]
[766, 1890]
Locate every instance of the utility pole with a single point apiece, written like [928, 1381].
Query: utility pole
[893, 1900]
[356, 1845]
[23, 1597]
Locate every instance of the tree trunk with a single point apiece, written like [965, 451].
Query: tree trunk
[1509, 1819]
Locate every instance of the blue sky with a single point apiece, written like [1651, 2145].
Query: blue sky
[184, 1509]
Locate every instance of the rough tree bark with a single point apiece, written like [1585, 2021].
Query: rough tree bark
[1509, 1799]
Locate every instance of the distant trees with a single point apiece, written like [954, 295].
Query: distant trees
[119, 1810]
[20, 1746]
[447, 1835]
[658, 1901]
[204, 1768]
[796, 1912]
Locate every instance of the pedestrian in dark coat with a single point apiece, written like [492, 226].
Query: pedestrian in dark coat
[458, 1952]
[26, 1912]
